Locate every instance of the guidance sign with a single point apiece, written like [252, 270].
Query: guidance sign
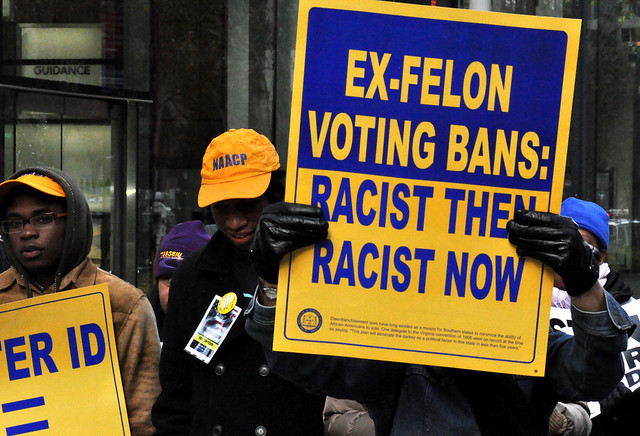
[59, 370]
[419, 130]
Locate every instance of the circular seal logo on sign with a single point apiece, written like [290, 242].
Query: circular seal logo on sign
[309, 320]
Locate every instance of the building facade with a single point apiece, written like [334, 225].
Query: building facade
[125, 95]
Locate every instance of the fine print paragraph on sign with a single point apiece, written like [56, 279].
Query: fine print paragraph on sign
[424, 333]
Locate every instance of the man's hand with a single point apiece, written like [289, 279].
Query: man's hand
[556, 241]
[283, 228]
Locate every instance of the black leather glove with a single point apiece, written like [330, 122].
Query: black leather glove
[556, 241]
[620, 402]
[284, 227]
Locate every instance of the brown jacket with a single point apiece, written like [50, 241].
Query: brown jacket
[134, 323]
[135, 330]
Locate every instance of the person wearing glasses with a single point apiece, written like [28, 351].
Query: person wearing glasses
[47, 231]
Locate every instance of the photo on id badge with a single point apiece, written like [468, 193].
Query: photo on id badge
[214, 326]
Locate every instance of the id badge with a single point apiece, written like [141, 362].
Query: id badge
[213, 327]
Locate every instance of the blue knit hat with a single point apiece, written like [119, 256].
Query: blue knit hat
[588, 216]
[183, 239]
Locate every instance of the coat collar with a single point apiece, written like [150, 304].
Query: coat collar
[216, 255]
[82, 273]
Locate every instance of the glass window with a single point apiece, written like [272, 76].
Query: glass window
[75, 82]
[97, 43]
[39, 131]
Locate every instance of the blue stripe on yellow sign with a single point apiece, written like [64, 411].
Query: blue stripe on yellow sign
[422, 103]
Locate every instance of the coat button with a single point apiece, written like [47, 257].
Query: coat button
[261, 430]
[264, 371]
[217, 430]
[219, 369]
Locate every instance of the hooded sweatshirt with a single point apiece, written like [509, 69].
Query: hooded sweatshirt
[4, 263]
[135, 329]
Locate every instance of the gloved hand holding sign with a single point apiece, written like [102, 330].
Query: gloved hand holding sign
[283, 228]
[556, 241]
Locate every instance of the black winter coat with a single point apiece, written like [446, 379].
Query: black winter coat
[154, 298]
[236, 393]
[4, 262]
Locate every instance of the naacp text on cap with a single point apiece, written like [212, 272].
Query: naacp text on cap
[228, 160]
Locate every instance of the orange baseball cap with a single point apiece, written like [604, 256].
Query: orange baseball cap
[35, 180]
[237, 164]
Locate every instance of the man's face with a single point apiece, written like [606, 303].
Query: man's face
[164, 284]
[237, 219]
[591, 239]
[37, 250]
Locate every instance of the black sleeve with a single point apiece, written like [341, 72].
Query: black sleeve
[4, 262]
[171, 413]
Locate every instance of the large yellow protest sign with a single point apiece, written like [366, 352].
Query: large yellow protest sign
[59, 370]
[419, 131]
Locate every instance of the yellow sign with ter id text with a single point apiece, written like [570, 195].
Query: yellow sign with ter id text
[59, 371]
[419, 130]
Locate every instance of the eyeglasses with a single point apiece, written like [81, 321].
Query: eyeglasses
[38, 222]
